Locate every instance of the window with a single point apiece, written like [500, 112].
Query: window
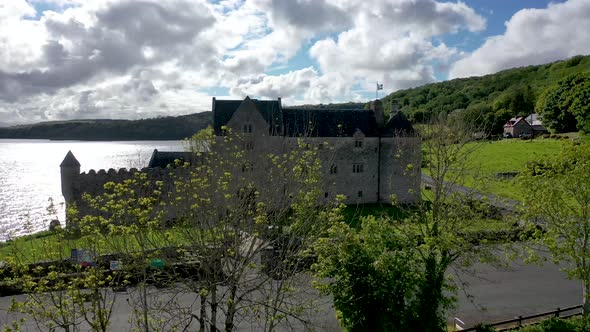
[334, 169]
[249, 145]
[248, 128]
[326, 194]
[360, 193]
[357, 168]
[358, 143]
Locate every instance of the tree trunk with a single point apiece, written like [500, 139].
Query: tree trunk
[145, 307]
[231, 308]
[431, 296]
[203, 313]
[586, 299]
[213, 324]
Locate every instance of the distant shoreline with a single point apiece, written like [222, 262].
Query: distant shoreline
[169, 128]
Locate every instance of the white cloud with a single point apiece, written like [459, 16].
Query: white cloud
[391, 41]
[292, 83]
[136, 58]
[533, 36]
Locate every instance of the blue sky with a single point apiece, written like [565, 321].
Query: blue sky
[66, 59]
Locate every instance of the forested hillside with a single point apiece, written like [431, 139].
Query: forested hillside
[164, 128]
[558, 90]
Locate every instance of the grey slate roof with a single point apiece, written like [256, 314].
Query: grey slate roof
[398, 125]
[328, 123]
[165, 158]
[270, 110]
[313, 122]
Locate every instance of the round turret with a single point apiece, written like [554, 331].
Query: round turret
[70, 169]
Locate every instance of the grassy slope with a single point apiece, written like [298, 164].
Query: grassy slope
[512, 155]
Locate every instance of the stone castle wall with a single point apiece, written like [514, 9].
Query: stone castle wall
[364, 169]
[92, 182]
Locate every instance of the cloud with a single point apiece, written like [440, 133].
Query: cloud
[314, 15]
[139, 58]
[532, 36]
[391, 41]
[293, 84]
[120, 37]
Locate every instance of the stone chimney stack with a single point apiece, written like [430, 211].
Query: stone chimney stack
[394, 109]
[377, 108]
[70, 170]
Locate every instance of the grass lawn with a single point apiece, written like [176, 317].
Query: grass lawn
[354, 212]
[30, 249]
[508, 155]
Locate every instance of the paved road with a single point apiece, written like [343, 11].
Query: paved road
[520, 290]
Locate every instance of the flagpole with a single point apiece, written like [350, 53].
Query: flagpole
[377, 90]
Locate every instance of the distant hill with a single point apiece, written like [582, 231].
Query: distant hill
[164, 128]
[494, 98]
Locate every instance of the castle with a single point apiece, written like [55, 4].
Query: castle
[365, 157]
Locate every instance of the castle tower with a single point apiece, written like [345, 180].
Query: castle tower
[377, 108]
[70, 169]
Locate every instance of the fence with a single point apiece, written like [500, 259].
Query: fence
[519, 321]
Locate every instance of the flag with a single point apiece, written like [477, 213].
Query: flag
[379, 86]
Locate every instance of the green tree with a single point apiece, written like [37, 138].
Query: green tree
[374, 283]
[251, 212]
[580, 106]
[557, 197]
[237, 225]
[61, 293]
[564, 107]
[129, 221]
[402, 263]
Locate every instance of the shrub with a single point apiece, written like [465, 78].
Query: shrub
[557, 325]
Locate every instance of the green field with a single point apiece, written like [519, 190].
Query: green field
[508, 155]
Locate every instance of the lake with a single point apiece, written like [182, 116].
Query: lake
[31, 176]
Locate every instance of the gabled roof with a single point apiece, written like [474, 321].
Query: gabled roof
[512, 122]
[165, 158]
[398, 125]
[296, 122]
[270, 110]
[70, 161]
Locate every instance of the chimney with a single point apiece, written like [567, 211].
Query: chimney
[394, 109]
[377, 108]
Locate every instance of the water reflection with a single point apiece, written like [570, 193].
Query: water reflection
[30, 175]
